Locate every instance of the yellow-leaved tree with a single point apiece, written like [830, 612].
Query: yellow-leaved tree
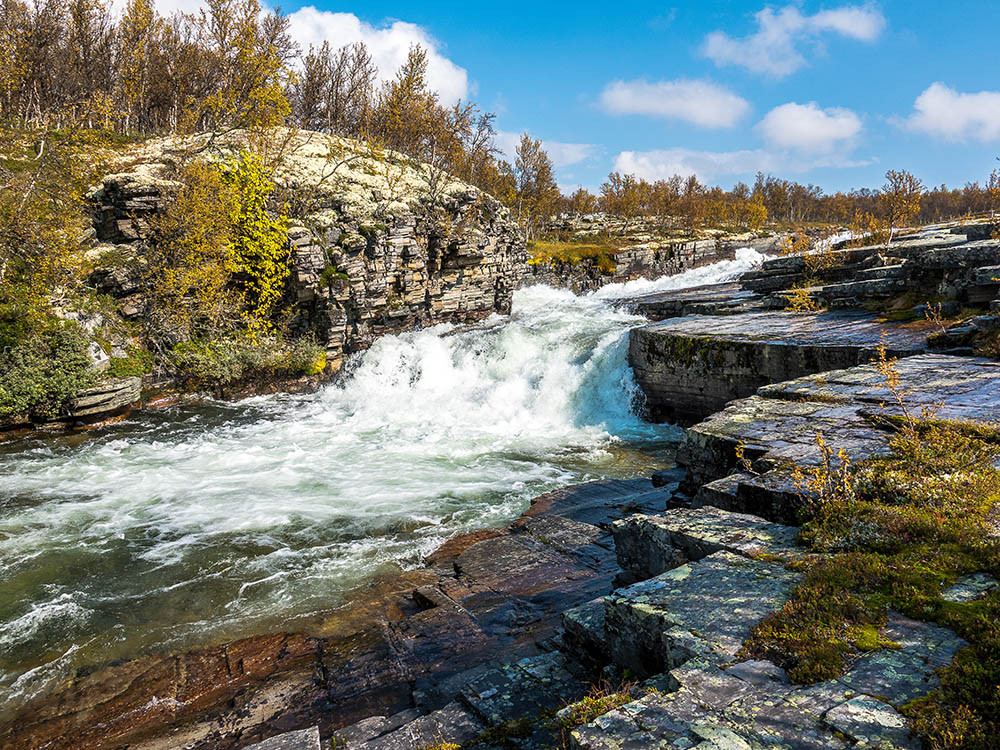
[900, 199]
[259, 242]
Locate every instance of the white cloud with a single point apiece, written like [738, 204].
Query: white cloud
[773, 48]
[808, 128]
[699, 102]
[944, 112]
[708, 166]
[388, 45]
[562, 154]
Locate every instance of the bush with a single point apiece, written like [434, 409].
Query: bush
[40, 374]
[242, 358]
[136, 364]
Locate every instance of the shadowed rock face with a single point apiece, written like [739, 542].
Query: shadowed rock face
[692, 366]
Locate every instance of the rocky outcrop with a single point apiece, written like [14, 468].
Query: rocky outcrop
[716, 343]
[951, 263]
[778, 425]
[648, 258]
[379, 244]
[109, 399]
[689, 367]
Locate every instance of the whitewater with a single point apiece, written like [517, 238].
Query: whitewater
[196, 524]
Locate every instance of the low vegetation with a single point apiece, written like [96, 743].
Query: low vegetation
[601, 699]
[601, 254]
[894, 531]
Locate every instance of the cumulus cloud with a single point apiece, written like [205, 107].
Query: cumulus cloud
[942, 111]
[773, 49]
[388, 45]
[562, 154]
[706, 165]
[808, 128]
[709, 166]
[699, 102]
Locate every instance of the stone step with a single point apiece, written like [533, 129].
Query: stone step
[880, 287]
[771, 495]
[705, 608]
[897, 271]
[453, 723]
[987, 275]
[525, 689]
[649, 545]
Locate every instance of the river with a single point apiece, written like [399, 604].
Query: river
[192, 525]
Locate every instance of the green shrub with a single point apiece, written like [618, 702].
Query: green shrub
[241, 358]
[42, 372]
[138, 362]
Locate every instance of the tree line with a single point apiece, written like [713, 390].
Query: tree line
[688, 202]
[234, 65]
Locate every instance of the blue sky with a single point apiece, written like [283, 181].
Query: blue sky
[832, 94]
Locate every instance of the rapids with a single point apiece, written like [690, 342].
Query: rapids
[191, 525]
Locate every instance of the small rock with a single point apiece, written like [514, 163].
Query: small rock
[969, 588]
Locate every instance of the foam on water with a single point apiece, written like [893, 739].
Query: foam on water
[197, 524]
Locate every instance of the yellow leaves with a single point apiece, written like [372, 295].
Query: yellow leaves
[220, 260]
[800, 299]
[900, 198]
[259, 242]
[867, 229]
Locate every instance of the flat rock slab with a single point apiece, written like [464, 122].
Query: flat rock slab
[748, 706]
[304, 739]
[691, 367]
[969, 588]
[650, 545]
[706, 607]
[778, 425]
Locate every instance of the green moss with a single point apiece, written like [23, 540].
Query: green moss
[910, 525]
[332, 274]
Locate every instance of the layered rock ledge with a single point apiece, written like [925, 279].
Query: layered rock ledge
[691, 366]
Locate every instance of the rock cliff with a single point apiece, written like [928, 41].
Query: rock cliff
[379, 244]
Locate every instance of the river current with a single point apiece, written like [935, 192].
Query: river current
[192, 525]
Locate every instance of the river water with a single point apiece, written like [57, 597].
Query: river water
[192, 525]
